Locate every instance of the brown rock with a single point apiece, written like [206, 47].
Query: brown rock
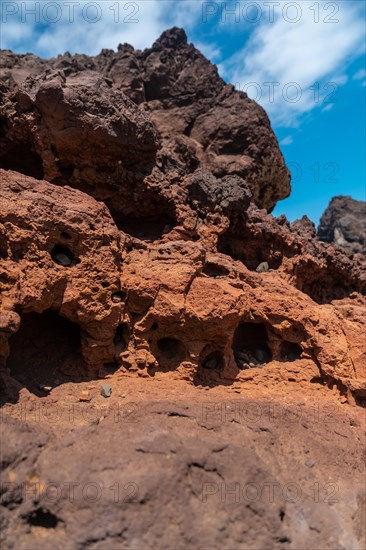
[265, 480]
[203, 123]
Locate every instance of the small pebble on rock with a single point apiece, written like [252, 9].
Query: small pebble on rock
[45, 388]
[84, 396]
[262, 267]
[106, 390]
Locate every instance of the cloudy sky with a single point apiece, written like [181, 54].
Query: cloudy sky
[303, 61]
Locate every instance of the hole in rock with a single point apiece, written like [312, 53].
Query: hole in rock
[215, 270]
[169, 347]
[20, 158]
[282, 515]
[360, 401]
[65, 235]
[66, 170]
[42, 518]
[154, 326]
[46, 351]
[118, 297]
[214, 361]
[147, 228]
[289, 351]
[170, 352]
[188, 129]
[3, 247]
[317, 380]
[211, 368]
[111, 368]
[62, 255]
[254, 252]
[326, 289]
[121, 337]
[250, 345]
[156, 87]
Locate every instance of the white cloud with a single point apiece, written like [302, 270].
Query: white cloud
[137, 22]
[293, 64]
[210, 51]
[328, 107]
[340, 80]
[14, 33]
[360, 75]
[288, 140]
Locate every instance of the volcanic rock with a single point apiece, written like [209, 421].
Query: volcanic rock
[179, 303]
[202, 122]
[272, 481]
[344, 224]
[106, 390]
[137, 247]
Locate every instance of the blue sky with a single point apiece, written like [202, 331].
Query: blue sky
[304, 61]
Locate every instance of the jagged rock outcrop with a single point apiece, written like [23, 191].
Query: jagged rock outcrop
[344, 224]
[82, 132]
[48, 234]
[202, 121]
[319, 270]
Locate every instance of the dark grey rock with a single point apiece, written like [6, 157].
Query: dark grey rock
[106, 390]
[263, 267]
[344, 224]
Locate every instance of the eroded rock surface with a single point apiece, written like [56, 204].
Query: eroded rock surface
[172, 304]
[165, 481]
[137, 248]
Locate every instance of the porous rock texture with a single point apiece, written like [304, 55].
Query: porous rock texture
[202, 122]
[344, 224]
[137, 247]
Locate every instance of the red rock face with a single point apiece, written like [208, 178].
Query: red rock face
[136, 247]
[171, 303]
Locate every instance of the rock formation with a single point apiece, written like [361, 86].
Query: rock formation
[344, 224]
[137, 247]
[202, 122]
